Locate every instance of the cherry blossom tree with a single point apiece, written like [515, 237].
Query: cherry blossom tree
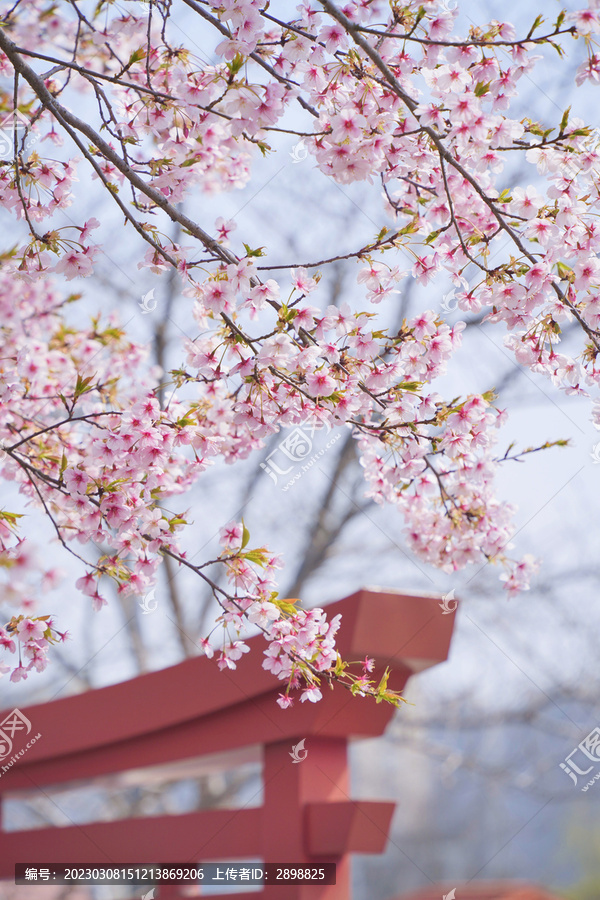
[397, 96]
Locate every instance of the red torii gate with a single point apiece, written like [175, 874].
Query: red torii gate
[192, 709]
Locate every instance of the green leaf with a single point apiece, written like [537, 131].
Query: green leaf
[136, 56]
[83, 386]
[482, 87]
[286, 606]
[382, 686]
[340, 665]
[245, 535]
[563, 270]
[175, 522]
[504, 197]
[287, 315]
[565, 120]
[113, 486]
[236, 64]
[250, 252]
[10, 518]
[535, 25]
[408, 229]
[258, 556]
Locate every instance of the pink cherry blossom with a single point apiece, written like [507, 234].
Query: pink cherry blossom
[427, 120]
[313, 694]
[320, 384]
[29, 630]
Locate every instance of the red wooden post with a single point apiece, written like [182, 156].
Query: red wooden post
[191, 710]
[289, 790]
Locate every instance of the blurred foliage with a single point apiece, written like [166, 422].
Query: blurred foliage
[583, 842]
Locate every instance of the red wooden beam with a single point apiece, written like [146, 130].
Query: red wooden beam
[190, 837]
[193, 709]
[353, 826]
[408, 632]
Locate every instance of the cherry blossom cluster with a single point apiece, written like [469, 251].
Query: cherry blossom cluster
[104, 458]
[30, 638]
[388, 94]
[301, 642]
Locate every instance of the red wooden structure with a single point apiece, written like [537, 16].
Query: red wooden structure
[192, 709]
